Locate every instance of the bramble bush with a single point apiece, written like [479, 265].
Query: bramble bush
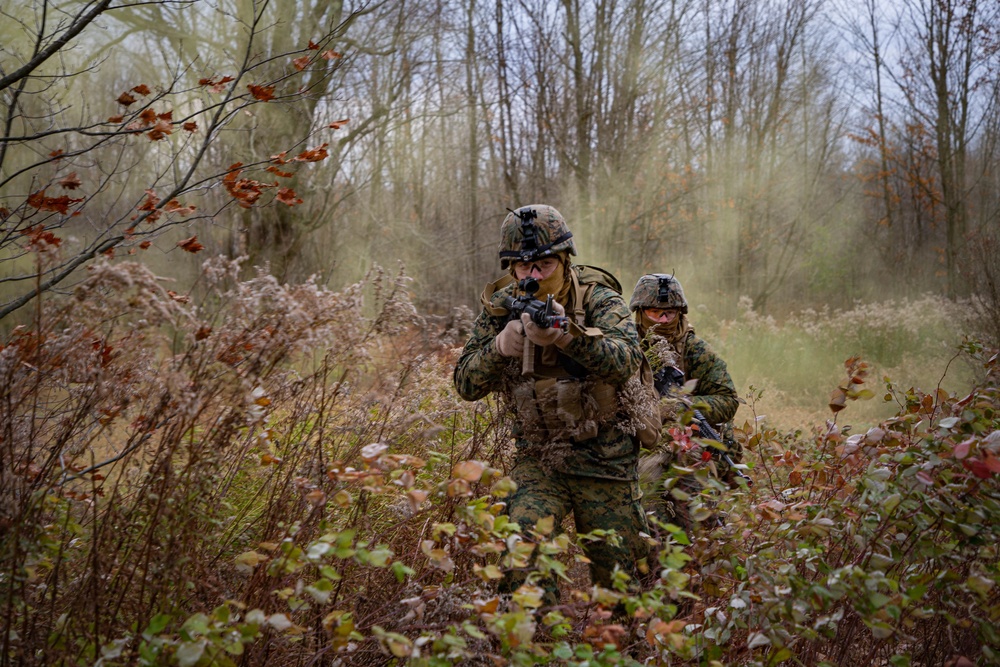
[256, 473]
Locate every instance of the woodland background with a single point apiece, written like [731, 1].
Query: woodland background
[241, 241]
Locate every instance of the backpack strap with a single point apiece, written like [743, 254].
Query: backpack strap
[491, 289]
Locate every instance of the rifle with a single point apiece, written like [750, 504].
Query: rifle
[669, 378]
[540, 312]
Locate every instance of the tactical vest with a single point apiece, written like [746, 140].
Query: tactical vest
[554, 397]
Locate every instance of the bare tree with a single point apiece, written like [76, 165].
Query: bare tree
[127, 177]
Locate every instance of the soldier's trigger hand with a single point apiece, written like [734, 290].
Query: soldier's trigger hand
[510, 341]
[670, 408]
[547, 336]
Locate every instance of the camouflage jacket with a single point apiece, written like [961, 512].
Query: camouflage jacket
[613, 357]
[715, 394]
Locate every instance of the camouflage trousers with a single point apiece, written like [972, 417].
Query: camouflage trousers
[596, 504]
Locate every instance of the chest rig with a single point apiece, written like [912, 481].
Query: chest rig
[554, 397]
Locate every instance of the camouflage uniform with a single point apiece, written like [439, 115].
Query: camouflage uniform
[587, 466]
[714, 395]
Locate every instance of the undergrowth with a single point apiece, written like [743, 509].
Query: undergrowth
[283, 475]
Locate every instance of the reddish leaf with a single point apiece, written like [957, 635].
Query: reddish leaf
[166, 115]
[337, 124]
[190, 126]
[313, 46]
[301, 63]
[262, 93]
[56, 204]
[277, 172]
[115, 119]
[142, 89]
[125, 100]
[978, 468]
[244, 190]
[148, 116]
[151, 201]
[190, 245]
[145, 244]
[174, 206]
[838, 400]
[331, 55]
[993, 463]
[313, 155]
[56, 154]
[961, 450]
[70, 182]
[160, 130]
[38, 236]
[287, 196]
[215, 86]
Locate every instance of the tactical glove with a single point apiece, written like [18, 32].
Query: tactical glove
[670, 408]
[510, 341]
[548, 336]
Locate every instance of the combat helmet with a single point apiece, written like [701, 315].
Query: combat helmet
[658, 290]
[532, 232]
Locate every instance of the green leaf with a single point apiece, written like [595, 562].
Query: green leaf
[321, 590]
[156, 625]
[189, 653]
[401, 571]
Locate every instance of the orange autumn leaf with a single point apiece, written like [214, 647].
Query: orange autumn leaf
[70, 182]
[279, 158]
[125, 99]
[38, 235]
[313, 46]
[215, 86]
[190, 126]
[245, 191]
[145, 244]
[55, 204]
[313, 155]
[337, 124]
[166, 115]
[331, 55]
[115, 119]
[262, 93]
[151, 201]
[142, 89]
[56, 154]
[160, 130]
[277, 172]
[174, 206]
[148, 116]
[301, 63]
[287, 196]
[190, 245]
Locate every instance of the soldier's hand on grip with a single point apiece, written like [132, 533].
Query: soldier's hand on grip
[510, 341]
[548, 336]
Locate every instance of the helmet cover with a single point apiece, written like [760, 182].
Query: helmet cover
[533, 232]
[658, 290]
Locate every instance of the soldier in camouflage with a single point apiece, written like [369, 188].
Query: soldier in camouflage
[676, 469]
[576, 452]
